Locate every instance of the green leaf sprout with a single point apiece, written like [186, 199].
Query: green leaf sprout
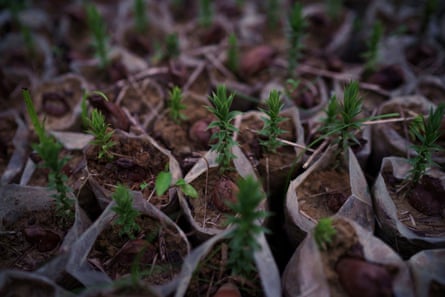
[224, 136]
[242, 240]
[163, 181]
[271, 128]
[126, 214]
[427, 132]
[323, 233]
[49, 150]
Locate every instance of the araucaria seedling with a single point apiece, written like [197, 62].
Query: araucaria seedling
[98, 30]
[102, 134]
[224, 136]
[333, 8]
[242, 240]
[49, 150]
[126, 214]
[297, 25]
[371, 54]
[205, 13]
[175, 106]
[232, 53]
[426, 132]
[323, 233]
[140, 16]
[271, 128]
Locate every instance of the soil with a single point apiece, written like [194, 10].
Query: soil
[135, 161]
[388, 77]
[158, 249]
[212, 273]
[418, 222]
[8, 127]
[44, 228]
[323, 192]
[345, 253]
[203, 211]
[306, 95]
[321, 29]
[422, 57]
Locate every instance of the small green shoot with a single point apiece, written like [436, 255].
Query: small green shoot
[102, 134]
[242, 240]
[271, 128]
[141, 18]
[171, 46]
[272, 13]
[205, 13]
[371, 54]
[297, 25]
[333, 8]
[126, 214]
[49, 150]
[427, 132]
[323, 233]
[144, 185]
[342, 121]
[224, 136]
[163, 181]
[232, 53]
[99, 32]
[175, 106]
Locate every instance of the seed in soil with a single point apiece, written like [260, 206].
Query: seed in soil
[225, 192]
[44, 238]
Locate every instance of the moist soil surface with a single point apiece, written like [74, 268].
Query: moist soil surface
[323, 192]
[159, 250]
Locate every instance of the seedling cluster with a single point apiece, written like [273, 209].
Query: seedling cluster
[126, 213]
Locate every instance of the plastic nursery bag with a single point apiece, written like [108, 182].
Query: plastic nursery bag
[428, 271]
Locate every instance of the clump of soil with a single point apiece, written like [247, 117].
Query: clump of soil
[33, 241]
[158, 250]
[421, 208]
[346, 270]
[204, 210]
[323, 192]
[212, 273]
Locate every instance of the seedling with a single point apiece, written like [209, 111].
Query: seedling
[224, 136]
[297, 25]
[323, 233]
[175, 106]
[205, 13]
[141, 19]
[99, 128]
[272, 13]
[232, 53]
[431, 6]
[126, 214]
[371, 54]
[271, 128]
[98, 30]
[171, 46]
[426, 132]
[242, 240]
[342, 120]
[15, 7]
[163, 183]
[333, 8]
[49, 150]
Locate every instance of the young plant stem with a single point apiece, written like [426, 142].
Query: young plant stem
[49, 150]
[271, 128]
[98, 30]
[242, 240]
[225, 129]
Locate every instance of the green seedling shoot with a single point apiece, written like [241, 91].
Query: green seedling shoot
[232, 53]
[342, 121]
[141, 18]
[297, 24]
[271, 128]
[272, 13]
[333, 8]
[323, 233]
[49, 150]
[205, 13]
[99, 33]
[427, 132]
[126, 214]
[172, 46]
[242, 240]
[163, 183]
[175, 106]
[371, 54]
[224, 136]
